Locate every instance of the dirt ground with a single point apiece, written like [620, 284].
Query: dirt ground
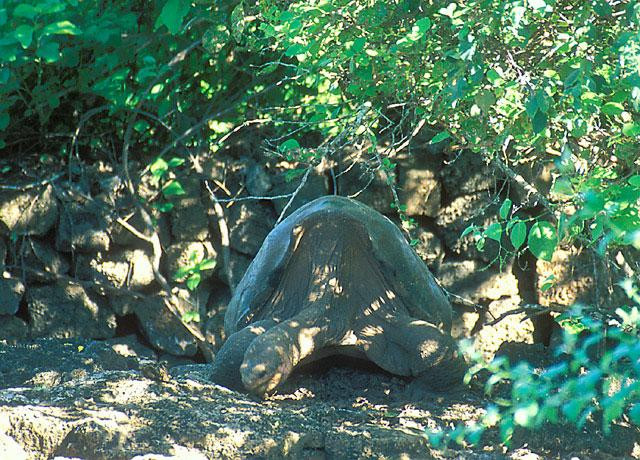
[96, 399]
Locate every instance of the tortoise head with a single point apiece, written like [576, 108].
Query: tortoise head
[265, 366]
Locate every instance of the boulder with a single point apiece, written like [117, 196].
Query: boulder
[479, 209]
[65, 310]
[163, 329]
[428, 247]
[29, 212]
[82, 228]
[130, 268]
[257, 180]
[466, 173]
[249, 223]
[3, 253]
[419, 184]
[11, 292]
[315, 187]
[42, 262]
[13, 328]
[189, 217]
[477, 282]
[369, 186]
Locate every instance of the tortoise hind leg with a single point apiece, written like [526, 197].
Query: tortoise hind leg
[414, 348]
[226, 366]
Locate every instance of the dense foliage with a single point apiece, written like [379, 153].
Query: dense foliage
[524, 84]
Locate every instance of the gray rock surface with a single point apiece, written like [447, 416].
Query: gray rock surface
[13, 328]
[11, 292]
[249, 223]
[65, 310]
[163, 330]
[42, 262]
[82, 228]
[315, 187]
[131, 268]
[419, 185]
[61, 398]
[30, 212]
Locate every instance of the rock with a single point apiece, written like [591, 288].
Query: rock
[466, 173]
[11, 292]
[429, 247]
[214, 320]
[3, 253]
[455, 217]
[10, 449]
[65, 310]
[366, 185]
[124, 268]
[82, 228]
[123, 237]
[29, 212]
[344, 413]
[13, 328]
[570, 277]
[257, 180]
[189, 217]
[186, 254]
[419, 184]
[238, 264]
[90, 438]
[45, 262]
[472, 280]
[315, 187]
[512, 328]
[249, 223]
[163, 330]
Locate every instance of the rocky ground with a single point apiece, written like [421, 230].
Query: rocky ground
[113, 400]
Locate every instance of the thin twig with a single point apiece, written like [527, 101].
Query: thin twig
[40, 183]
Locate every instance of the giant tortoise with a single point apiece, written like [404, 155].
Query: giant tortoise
[336, 277]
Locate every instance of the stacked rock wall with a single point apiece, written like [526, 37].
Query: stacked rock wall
[73, 267]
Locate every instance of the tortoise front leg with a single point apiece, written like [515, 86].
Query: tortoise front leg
[272, 356]
[226, 366]
[413, 348]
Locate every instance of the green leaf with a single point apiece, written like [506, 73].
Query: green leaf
[289, 144]
[207, 264]
[634, 414]
[182, 272]
[468, 230]
[159, 167]
[505, 208]
[634, 180]
[193, 281]
[190, 316]
[518, 234]
[442, 135]
[631, 129]
[24, 10]
[172, 15]
[163, 207]
[4, 120]
[3, 16]
[612, 108]
[543, 240]
[49, 51]
[175, 162]
[539, 122]
[61, 28]
[24, 34]
[173, 188]
[494, 231]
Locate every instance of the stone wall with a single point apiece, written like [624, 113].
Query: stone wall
[72, 269]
